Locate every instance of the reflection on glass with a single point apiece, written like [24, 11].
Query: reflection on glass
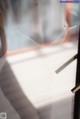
[32, 22]
[28, 24]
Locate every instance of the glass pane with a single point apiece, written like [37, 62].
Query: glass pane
[46, 73]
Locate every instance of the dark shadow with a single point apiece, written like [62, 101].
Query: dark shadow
[15, 95]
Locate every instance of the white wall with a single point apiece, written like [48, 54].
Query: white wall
[50, 93]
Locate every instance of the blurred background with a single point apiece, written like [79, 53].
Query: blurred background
[33, 22]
